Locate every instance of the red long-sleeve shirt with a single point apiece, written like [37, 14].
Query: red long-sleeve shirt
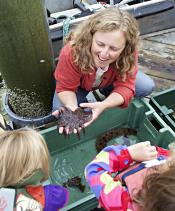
[69, 77]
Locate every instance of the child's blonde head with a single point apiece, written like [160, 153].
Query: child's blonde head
[22, 152]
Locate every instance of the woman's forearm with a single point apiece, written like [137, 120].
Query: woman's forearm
[68, 98]
[113, 100]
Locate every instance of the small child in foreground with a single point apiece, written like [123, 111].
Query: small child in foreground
[24, 164]
[140, 177]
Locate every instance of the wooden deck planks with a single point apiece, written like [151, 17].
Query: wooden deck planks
[157, 58]
[162, 84]
[157, 67]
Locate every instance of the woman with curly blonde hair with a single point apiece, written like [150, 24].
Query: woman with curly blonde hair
[101, 53]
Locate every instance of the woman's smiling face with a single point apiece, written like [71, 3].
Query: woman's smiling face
[107, 47]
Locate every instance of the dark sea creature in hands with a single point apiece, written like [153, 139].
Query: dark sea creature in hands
[71, 120]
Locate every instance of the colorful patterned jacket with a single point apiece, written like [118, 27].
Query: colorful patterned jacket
[25, 197]
[112, 188]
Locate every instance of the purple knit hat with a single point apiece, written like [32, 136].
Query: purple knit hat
[55, 197]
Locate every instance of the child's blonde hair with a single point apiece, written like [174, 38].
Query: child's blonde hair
[22, 152]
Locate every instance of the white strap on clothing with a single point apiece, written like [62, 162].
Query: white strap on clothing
[154, 162]
[7, 199]
[99, 73]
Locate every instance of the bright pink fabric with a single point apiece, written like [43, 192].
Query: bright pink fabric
[111, 193]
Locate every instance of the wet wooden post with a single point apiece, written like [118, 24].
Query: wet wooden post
[26, 58]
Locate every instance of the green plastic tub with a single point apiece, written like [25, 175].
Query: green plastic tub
[164, 104]
[70, 156]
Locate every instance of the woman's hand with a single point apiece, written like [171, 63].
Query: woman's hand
[97, 109]
[112, 101]
[142, 151]
[58, 112]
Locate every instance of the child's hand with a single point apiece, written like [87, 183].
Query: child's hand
[142, 151]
